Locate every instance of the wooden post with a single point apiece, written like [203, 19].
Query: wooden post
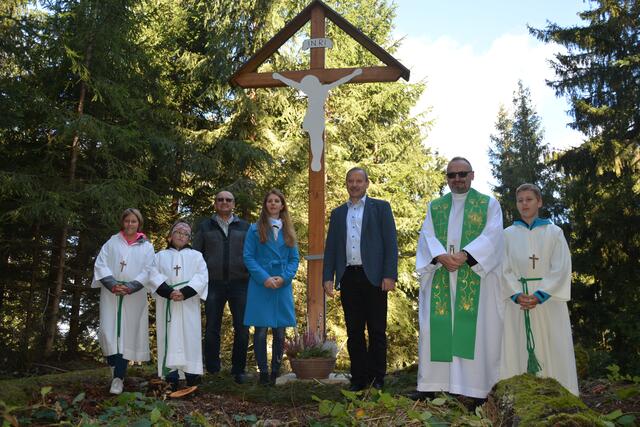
[247, 76]
[315, 294]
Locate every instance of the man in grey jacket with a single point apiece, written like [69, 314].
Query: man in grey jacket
[221, 241]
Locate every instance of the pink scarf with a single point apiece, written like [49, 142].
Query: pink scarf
[134, 240]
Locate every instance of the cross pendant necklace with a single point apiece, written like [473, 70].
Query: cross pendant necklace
[177, 268]
[533, 259]
[122, 265]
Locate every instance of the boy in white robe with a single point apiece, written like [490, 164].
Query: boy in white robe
[120, 271]
[537, 281]
[179, 279]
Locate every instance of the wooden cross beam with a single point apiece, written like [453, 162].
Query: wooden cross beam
[247, 77]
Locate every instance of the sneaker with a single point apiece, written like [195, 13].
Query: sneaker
[117, 386]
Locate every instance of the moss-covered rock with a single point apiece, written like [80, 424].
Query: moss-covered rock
[526, 400]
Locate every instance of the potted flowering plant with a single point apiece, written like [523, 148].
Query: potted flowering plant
[311, 355]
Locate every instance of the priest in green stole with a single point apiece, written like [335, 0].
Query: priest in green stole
[459, 255]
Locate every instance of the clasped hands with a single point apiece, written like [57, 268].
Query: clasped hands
[452, 262]
[527, 302]
[120, 289]
[274, 282]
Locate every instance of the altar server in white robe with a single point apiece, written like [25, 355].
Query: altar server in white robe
[537, 256]
[179, 280]
[460, 249]
[120, 272]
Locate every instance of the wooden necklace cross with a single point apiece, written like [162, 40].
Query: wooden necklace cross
[533, 259]
[177, 268]
[122, 265]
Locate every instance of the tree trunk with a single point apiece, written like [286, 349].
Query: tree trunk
[82, 258]
[27, 331]
[51, 324]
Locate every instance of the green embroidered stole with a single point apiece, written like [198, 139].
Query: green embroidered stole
[460, 339]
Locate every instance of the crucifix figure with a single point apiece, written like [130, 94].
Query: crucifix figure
[533, 259]
[177, 268]
[316, 82]
[122, 265]
[314, 120]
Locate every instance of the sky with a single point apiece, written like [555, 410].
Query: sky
[471, 55]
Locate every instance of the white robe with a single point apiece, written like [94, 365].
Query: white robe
[184, 328]
[463, 376]
[134, 330]
[550, 320]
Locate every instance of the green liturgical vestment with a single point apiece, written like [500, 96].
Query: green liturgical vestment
[454, 333]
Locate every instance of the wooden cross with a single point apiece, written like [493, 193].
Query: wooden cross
[177, 268]
[533, 259]
[122, 265]
[248, 76]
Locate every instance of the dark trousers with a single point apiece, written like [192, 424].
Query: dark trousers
[119, 365]
[364, 305]
[219, 294]
[260, 349]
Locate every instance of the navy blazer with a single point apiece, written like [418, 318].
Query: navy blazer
[378, 243]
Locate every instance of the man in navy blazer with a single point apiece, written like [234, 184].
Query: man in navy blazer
[361, 253]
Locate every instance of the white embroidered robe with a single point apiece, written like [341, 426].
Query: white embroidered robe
[463, 376]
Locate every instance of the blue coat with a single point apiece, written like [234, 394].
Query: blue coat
[378, 243]
[265, 306]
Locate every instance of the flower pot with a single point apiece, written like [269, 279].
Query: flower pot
[317, 367]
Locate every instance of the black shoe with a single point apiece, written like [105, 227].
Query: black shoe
[356, 387]
[421, 395]
[239, 378]
[377, 384]
[173, 384]
[273, 378]
[193, 380]
[264, 378]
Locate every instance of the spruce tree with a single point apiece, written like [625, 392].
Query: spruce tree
[519, 155]
[598, 72]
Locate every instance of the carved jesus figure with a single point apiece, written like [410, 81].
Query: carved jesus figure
[314, 120]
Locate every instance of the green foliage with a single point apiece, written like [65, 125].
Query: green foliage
[520, 156]
[125, 410]
[598, 72]
[379, 408]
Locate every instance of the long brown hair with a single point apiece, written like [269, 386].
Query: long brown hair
[264, 225]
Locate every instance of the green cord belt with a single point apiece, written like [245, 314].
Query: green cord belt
[533, 366]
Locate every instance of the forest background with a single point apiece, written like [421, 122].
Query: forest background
[107, 104]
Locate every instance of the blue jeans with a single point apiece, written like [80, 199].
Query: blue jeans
[119, 365]
[260, 349]
[219, 294]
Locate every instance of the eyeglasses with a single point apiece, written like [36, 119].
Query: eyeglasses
[182, 233]
[224, 199]
[462, 174]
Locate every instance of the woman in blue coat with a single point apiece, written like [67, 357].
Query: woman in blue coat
[271, 256]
